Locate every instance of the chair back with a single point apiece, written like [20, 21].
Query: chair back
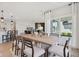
[65, 52]
[8, 34]
[28, 43]
[17, 44]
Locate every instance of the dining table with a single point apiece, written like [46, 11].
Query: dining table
[44, 39]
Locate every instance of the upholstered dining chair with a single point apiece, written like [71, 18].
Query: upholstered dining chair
[60, 48]
[30, 50]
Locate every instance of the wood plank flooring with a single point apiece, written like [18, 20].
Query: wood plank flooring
[5, 49]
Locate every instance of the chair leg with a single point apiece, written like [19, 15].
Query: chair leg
[68, 54]
[6, 39]
[46, 52]
[2, 39]
[22, 53]
[17, 52]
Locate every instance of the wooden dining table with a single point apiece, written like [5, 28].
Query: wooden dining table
[41, 39]
[48, 40]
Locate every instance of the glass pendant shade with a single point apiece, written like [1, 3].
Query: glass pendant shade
[2, 15]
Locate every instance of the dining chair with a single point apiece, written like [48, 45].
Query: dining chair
[6, 37]
[30, 50]
[60, 48]
[12, 35]
[47, 46]
[17, 45]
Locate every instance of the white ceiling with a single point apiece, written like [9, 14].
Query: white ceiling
[28, 10]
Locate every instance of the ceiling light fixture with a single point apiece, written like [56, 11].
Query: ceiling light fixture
[2, 17]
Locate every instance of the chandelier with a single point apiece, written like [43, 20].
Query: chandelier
[2, 18]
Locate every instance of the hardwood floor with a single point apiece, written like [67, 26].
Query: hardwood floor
[5, 49]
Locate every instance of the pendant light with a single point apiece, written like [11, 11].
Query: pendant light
[2, 17]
